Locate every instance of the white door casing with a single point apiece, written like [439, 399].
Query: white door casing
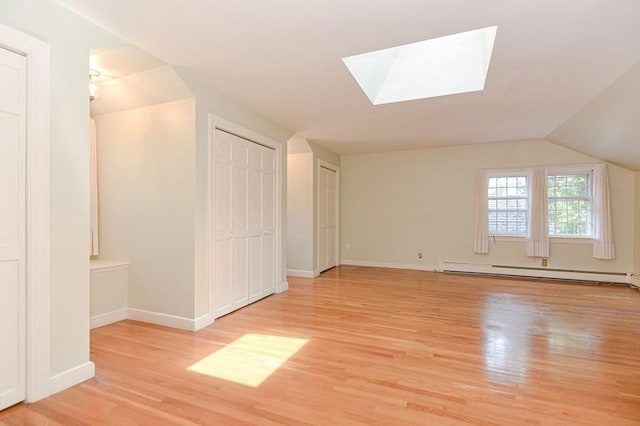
[35, 216]
[328, 215]
[244, 202]
[12, 228]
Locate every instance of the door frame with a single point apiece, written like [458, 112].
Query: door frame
[37, 221]
[219, 123]
[333, 167]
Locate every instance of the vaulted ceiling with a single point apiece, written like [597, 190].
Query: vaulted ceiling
[560, 69]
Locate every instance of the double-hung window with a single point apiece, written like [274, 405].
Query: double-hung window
[520, 207]
[508, 204]
[569, 204]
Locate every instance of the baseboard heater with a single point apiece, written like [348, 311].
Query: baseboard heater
[531, 272]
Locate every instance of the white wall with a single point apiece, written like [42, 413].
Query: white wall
[397, 204]
[70, 38]
[146, 175]
[300, 214]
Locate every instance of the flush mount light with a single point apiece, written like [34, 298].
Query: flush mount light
[94, 75]
[456, 63]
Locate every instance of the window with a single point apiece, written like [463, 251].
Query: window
[569, 204]
[508, 204]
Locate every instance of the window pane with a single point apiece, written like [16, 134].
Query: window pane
[569, 203]
[508, 205]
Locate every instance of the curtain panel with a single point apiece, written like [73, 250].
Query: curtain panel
[603, 247]
[537, 241]
[481, 240]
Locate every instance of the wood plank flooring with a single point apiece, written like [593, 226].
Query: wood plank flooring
[374, 346]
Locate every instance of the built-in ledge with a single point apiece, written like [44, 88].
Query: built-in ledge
[107, 265]
[109, 291]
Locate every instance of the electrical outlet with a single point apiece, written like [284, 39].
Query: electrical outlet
[544, 262]
[347, 246]
[419, 255]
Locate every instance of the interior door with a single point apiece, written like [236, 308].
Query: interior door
[244, 223]
[327, 219]
[12, 228]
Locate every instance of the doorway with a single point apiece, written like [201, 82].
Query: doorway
[328, 215]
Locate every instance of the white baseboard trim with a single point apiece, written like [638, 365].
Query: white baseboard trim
[202, 322]
[108, 318]
[71, 377]
[166, 320]
[634, 280]
[284, 286]
[374, 264]
[530, 272]
[301, 273]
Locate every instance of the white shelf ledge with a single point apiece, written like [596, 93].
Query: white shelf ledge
[103, 265]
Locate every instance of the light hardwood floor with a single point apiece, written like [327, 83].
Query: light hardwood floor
[374, 346]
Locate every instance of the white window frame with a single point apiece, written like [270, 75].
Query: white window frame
[509, 173]
[574, 170]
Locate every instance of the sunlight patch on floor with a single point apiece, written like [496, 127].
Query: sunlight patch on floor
[249, 360]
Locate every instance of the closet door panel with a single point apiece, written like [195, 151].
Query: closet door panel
[255, 268]
[240, 188]
[222, 297]
[268, 192]
[255, 191]
[331, 199]
[223, 199]
[268, 270]
[239, 273]
[322, 251]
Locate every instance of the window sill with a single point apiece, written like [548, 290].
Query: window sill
[507, 238]
[571, 240]
[552, 240]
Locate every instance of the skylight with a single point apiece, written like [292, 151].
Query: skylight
[456, 63]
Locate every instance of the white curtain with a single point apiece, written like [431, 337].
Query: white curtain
[537, 242]
[93, 175]
[481, 242]
[603, 247]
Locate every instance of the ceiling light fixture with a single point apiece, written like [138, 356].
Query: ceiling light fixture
[456, 63]
[93, 84]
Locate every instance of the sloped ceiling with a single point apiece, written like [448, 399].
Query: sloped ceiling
[609, 126]
[282, 59]
[132, 78]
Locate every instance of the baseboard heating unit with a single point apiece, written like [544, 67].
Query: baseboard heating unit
[532, 272]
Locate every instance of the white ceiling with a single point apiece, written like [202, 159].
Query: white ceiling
[282, 58]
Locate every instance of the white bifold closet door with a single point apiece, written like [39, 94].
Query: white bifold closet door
[244, 223]
[12, 228]
[327, 219]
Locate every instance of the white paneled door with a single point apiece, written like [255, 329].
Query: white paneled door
[327, 219]
[12, 228]
[244, 222]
